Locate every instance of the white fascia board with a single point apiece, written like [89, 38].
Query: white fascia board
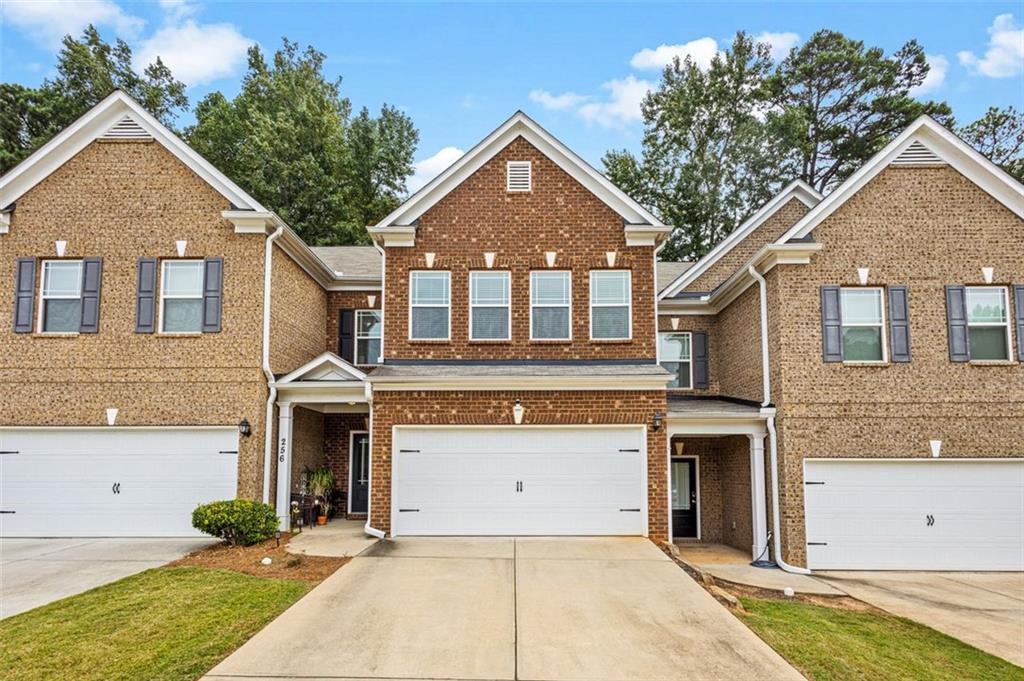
[92, 125]
[395, 236]
[646, 235]
[797, 189]
[519, 383]
[324, 358]
[950, 148]
[321, 392]
[342, 283]
[712, 425]
[295, 248]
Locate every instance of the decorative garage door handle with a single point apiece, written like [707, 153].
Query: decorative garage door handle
[929, 520]
[116, 488]
[629, 510]
[408, 510]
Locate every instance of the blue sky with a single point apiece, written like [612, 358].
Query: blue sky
[460, 69]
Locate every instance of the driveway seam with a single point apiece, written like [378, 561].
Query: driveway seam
[515, 609]
[981, 588]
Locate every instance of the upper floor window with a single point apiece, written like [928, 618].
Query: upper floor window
[550, 305]
[676, 357]
[429, 305]
[863, 324]
[610, 305]
[61, 308]
[368, 332]
[181, 296]
[490, 307]
[988, 323]
[518, 176]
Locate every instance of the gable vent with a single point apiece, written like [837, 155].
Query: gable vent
[917, 154]
[126, 129]
[519, 176]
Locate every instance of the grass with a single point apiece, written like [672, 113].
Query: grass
[833, 644]
[165, 623]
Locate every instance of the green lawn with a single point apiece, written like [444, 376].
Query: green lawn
[830, 644]
[166, 623]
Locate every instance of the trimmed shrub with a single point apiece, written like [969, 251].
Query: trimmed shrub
[239, 521]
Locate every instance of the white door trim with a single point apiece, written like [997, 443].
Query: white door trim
[351, 460]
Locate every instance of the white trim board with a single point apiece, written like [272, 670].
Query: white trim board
[320, 368]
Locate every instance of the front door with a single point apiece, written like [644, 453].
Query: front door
[359, 468]
[684, 497]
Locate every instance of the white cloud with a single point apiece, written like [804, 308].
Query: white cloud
[48, 22]
[939, 66]
[429, 168]
[701, 50]
[623, 106]
[566, 100]
[195, 53]
[780, 43]
[178, 9]
[1004, 57]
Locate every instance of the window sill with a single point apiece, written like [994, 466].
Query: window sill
[184, 334]
[611, 341]
[494, 341]
[552, 341]
[992, 362]
[429, 341]
[867, 364]
[55, 334]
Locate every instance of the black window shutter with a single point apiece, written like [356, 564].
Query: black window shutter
[213, 282]
[899, 324]
[956, 323]
[831, 324]
[24, 294]
[145, 296]
[700, 359]
[347, 335]
[1018, 313]
[92, 275]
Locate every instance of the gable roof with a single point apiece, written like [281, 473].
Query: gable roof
[363, 262]
[108, 119]
[797, 189]
[944, 146]
[327, 366]
[519, 125]
[666, 272]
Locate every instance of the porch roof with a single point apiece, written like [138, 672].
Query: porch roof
[688, 407]
[535, 375]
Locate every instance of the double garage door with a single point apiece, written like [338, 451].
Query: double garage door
[131, 482]
[519, 481]
[938, 514]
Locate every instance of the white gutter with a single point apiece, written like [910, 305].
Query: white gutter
[368, 528]
[772, 435]
[268, 424]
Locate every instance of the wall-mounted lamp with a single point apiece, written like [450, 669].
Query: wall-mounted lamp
[936, 446]
[517, 412]
[244, 428]
[656, 422]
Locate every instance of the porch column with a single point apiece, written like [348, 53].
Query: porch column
[758, 507]
[284, 463]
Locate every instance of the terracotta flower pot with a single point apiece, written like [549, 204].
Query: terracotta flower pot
[321, 520]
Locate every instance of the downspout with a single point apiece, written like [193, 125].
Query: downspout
[368, 528]
[268, 444]
[772, 434]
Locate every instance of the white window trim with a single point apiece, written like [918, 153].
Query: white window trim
[1009, 332]
[163, 296]
[882, 324]
[359, 337]
[508, 176]
[508, 306]
[629, 306]
[568, 307]
[448, 337]
[43, 298]
[662, 360]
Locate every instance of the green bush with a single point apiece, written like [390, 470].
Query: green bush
[239, 521]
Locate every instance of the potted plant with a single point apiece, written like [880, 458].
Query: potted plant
[321, 482]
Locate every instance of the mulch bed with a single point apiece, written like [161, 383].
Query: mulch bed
[246, 559]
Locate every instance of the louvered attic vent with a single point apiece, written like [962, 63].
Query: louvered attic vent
[519, 176]
[126, 129]
[917, 154]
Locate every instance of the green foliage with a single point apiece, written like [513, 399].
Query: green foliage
[289, 139]
[88, 70]
[239, 521]
[320, 482]
[999, 135]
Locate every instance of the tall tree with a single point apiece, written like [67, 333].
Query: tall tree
[88, 69]
[289, 138]
[836, 103]
[999, 135]
[707, 158]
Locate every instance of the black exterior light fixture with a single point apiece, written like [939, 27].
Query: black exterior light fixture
[656, 422]
[244, 428]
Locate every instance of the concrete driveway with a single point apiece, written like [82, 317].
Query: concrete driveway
[35, 572]
[544, 609]
[985, 609]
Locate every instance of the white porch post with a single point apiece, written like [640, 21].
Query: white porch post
[759, 519]
[284, 463]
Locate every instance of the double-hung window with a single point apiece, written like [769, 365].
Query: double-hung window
[550, 305]
[863, 324]
[368, 331]
[429, 305]
[676, 357]
[988, 323]
[181, 296]
[610, 308]
[61, 308]
[490, 306]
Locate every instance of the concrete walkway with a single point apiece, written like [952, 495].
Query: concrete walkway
[545, 609]
[732, 565]
[35, 572]
[337, 539]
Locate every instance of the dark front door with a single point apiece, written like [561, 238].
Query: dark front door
[684, 497]
[359, 467]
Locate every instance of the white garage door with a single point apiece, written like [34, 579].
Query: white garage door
[915, 515]
[519, 481]
[132, 482]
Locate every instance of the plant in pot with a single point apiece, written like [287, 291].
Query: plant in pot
[321, 483]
